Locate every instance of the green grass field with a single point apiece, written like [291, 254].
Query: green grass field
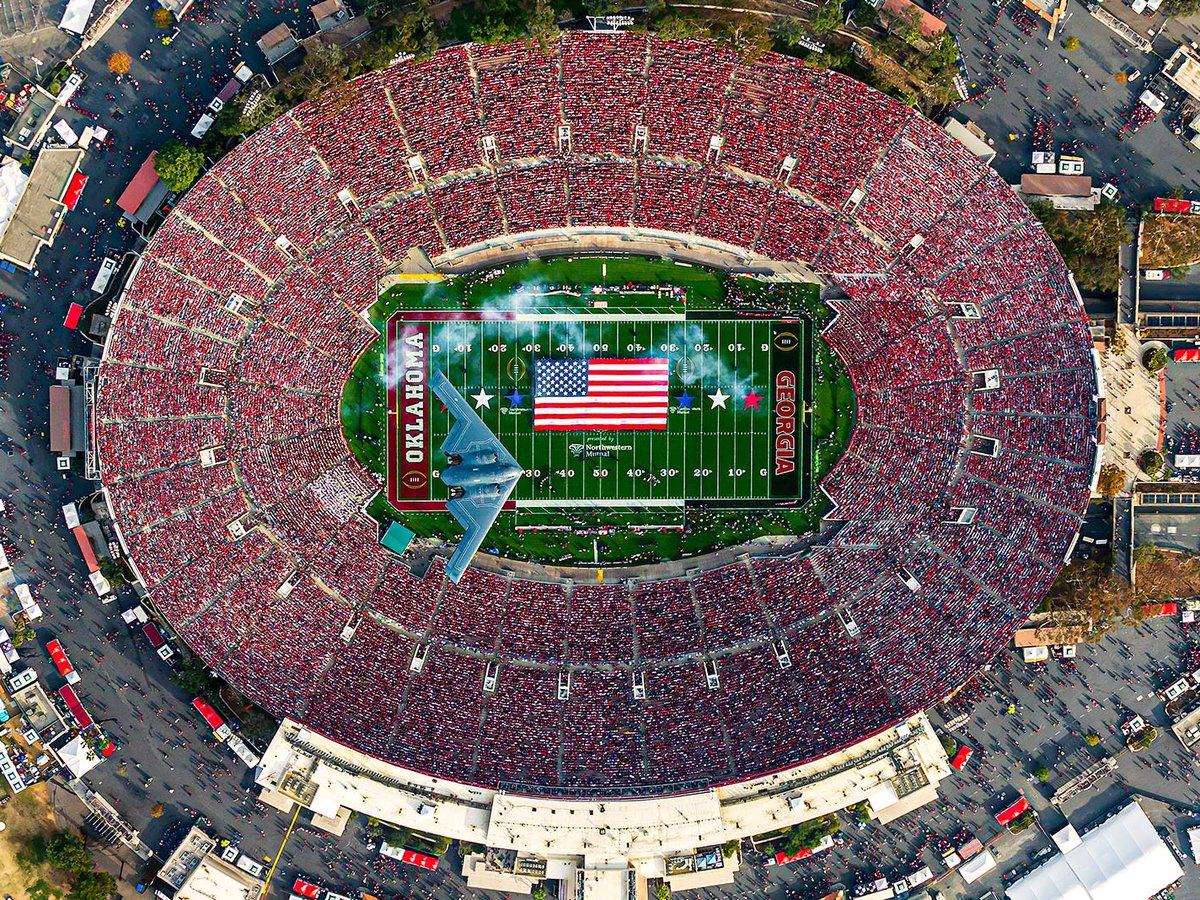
[714, 474]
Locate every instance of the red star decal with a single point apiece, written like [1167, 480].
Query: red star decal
[751, 400]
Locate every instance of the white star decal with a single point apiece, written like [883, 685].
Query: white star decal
[483, 400]
[718, 399]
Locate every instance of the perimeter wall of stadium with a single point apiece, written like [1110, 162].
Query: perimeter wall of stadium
[894, 772]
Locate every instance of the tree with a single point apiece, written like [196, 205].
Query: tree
[66, 851]
[789, 30]
[178, 165]
[247, 115]
[1071, 44]
[112, 570]
[156, 811]
[1041, 773]
[1112, 481]
[808, 835]
[193, 676]
[828, 17]
[1121, 78]
[1146, 553]
[1153, 464]
[324, 67]
[1089, 241]
[1180, 8]
[1157, 360]
[538, 892]
[949, 745]
[663, 892]
[93, 886]
[543, 24]
[498, 22]
[1091, 740]
[163, 18]
[119, 63]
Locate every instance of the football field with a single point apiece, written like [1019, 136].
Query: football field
[733, 433]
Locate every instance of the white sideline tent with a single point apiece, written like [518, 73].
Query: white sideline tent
[1123, 858]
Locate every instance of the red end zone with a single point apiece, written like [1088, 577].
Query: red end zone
[410, 406]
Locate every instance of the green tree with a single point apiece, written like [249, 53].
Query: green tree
[1041, 773]
[789, 30]
[1089, 241]
[1071, 44]
[808, 835]
[1157, 360]
[93, 886]
[663, 892]
[828, 17]
[1091, 740]
[1180, 8]
[543, 24]
[949, 745]
[66, 851]
[1153, 464]
[178, 165]
[112, 570]
[538, 892]
[32, 853]
[1145, 553]
[193, 676]
[323, 69]
[678, 25]
[498, 21]
[234, 120]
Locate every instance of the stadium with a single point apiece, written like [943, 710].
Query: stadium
[713, 679]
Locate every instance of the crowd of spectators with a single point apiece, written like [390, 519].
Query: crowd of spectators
[242, 320]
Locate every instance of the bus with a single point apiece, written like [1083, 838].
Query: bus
[104, 276]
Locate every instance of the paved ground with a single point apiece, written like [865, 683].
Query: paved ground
[1182, 434]
[1169, 527]
[1134, 405]
[1056, 706]
[995, 51]
[1172, 294]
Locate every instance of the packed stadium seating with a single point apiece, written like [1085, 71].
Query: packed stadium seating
[310, 617]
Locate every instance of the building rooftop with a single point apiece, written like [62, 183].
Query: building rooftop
[38, 214]
[1056, 185]
[1183, 68]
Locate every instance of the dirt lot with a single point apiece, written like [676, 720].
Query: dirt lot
[1170, 241]
[1174, 576]
[26, 816]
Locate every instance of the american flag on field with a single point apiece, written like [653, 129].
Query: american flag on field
[600, 394]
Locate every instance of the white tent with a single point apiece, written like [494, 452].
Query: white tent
[79, 757]
[977, 866]
[12, 186]
[1123, 858]
[76, 15]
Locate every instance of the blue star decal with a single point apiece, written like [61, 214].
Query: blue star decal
[516, 399]
[685, 400]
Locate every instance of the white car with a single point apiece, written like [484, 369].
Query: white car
[1156, 274]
